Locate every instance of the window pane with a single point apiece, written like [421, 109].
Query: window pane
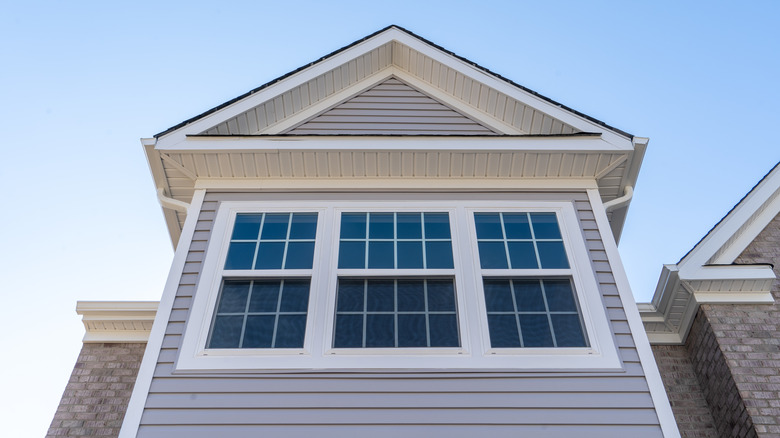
[438, 255]
[411, 296]
[516, 226]
[290, 332]
[295, 296]
[560, 296]
[381, 255]
[528, 294]
[381, 296]
[353, 225]
[380, 226]
[233, 297]
[265, 296]
[410, 255]
[503, 331]
[226, 332]
[498, 296]
[299, 255]
[441, 296]
[352, 255]
[488, 226]
[269, 255]
[568, 330]
[275, 226]
[304, 226]
[259, 331]
[240, 255]
[522, 255]
[492, 255]
[247, 226]
[545, 226]
[444, 330]
[552, 255]
[437, 226]
[536, 330]
[411, 330]
[380, 331]
[349, 331]
[350, 296]
[409, 226]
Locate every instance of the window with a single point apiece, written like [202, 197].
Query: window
[386, 284]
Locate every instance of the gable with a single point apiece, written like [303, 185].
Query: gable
[391, 107]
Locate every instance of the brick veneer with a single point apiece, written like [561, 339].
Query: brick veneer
[96, 397]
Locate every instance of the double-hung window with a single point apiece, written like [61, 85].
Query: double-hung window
[385, 285]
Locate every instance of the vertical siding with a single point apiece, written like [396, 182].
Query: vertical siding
[392, 404]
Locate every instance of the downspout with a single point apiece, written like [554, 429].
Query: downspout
[617, 202]
[173, 204]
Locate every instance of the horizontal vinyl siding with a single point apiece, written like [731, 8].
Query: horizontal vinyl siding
[393, 404]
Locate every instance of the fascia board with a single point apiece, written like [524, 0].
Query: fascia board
[385, 184]
[160, 181]
[728, 272]
[226, 144]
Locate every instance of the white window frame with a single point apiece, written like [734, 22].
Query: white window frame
[474, 354]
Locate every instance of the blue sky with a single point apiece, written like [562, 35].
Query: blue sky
[81, 82]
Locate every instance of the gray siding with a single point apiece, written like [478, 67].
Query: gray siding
[393, 404]
[391, 107]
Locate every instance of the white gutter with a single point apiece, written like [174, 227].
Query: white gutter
[621, 201]
[173, 204]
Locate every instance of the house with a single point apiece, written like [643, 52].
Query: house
[390, 240]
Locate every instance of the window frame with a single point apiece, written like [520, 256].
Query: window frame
[474, 353]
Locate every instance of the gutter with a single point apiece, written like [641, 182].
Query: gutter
[173, 204]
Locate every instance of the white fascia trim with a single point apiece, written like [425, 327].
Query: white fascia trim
[564, 144]
[728, 298]
[728, 272]
[135, 407]
[395, 184]
[664, 338]
[116, 321]
[653, 376]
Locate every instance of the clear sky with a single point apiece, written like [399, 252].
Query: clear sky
[81, 82]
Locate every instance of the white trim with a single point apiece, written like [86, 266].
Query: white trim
[653, 376]
[396, 184]
[135, 406]
[116, 321]
[602, 354]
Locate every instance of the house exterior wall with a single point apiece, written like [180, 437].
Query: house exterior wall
[96, 397]
[411, 403]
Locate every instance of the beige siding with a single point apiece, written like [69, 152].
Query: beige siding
[392, 404]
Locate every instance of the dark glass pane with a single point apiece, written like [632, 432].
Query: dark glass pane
[560, 296]
[349, 331]
[290, 332]
[265, 296]
[226, 332]
[492, 255]
[299, 255]
[568, 331]
[240, 255]
[233, 298]
[352, 255]
[516, 226]
[409, 226]
[381, 255]
[259, 331]
[275, 226]
[528, 294]
[437, 226]
[545, 226]
[411, 296]
[269, 255]
[247, 226]
[441, 296]
[410, 255]
[295, 296]
[552, 255]
[411, 331]
[380, 296]
[503, 331]
[536, 331]
[488, 226]
[438, 255]
[350, 296]
[444, 330]
[380, 331]
[353, 225]
[304, 226]
[380, 226]
[498, 296]
[522, 255]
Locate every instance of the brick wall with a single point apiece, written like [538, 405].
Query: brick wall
[96, 397]
[685, 395]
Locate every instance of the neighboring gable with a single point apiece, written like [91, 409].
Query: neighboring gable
[391, 107]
